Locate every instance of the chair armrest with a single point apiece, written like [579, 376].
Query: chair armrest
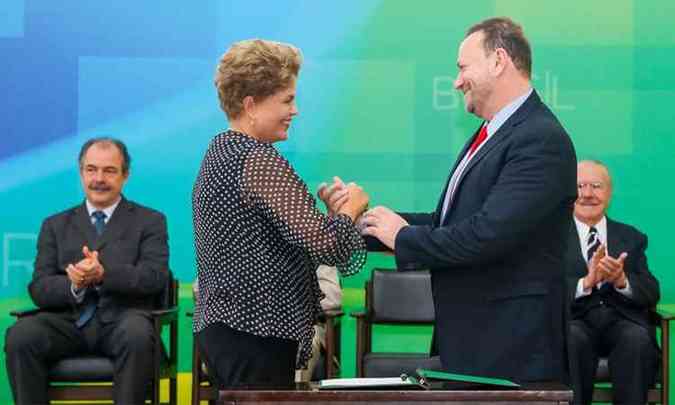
[20, 313]
[165, 316]
[664, 315]
[333, 313]
[358, 314]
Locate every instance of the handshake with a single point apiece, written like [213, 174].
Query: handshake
[341, 198]
[380, 222]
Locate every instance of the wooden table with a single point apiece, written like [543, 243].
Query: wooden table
[533, 394]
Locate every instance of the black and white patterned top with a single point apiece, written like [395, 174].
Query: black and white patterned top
[259, 238]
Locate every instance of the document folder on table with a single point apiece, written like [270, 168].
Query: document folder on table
[425, 379]
[446, 380]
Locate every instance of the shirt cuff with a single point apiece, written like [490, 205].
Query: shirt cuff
[580, 290]
[78, 293]
[626, 291]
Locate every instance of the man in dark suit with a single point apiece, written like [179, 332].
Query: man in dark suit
[611, 291]
[495, 244]
[98, 270]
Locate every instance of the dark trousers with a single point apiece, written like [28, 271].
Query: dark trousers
[236, 358]
[631, 351]
[35, 342]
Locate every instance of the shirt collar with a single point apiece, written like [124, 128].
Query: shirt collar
[583, 230]
[505, 113]
[108, 211]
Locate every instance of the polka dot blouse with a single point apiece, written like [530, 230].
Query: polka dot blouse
[259, 238]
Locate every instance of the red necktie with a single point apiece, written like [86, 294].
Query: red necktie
[482, 136]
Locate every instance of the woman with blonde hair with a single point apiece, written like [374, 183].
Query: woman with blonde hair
[259, 236]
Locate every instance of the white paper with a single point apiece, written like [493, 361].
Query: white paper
[364, 382]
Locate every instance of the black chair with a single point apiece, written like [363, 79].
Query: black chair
[331, 368]
[68, 375]
[202, 390]
[660, 392]
[393, 298]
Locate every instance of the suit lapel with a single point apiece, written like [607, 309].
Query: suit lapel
[574, 254]
[465, 149]
[83, 223]
[116, 225]
[615, 244]
[439, 206]
[495, 139]
[502, 134]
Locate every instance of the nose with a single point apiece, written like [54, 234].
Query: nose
[98, 175]
[585, 190]
[459, 81]
[294, 110]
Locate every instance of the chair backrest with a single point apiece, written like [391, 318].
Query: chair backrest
[168, 297]
[401, 297]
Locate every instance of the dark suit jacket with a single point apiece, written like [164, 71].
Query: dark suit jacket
[497, 261]
[646, 291]
[132, 249]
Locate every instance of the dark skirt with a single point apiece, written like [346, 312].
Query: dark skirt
[235, 358]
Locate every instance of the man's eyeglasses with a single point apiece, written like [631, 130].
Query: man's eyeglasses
[594, 186]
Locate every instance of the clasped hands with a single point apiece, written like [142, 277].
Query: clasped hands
[604, 267]
[379, 222]
[341, 198]
[87, 271]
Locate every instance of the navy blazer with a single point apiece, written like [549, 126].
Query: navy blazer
[133, 250]
[497, 260]
[646, 292]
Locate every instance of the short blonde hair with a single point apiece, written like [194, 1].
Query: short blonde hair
[256, 68]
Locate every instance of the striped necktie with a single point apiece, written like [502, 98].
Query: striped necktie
[592, 244]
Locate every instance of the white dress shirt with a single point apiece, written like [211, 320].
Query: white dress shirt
[108, 211]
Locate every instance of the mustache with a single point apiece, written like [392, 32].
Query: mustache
[98, 186]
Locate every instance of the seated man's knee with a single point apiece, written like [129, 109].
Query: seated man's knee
[578, 335]
[135, 333]
[635, 337]
[26, 334]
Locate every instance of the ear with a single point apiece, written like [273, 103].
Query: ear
[249, 106]
[501, 60]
